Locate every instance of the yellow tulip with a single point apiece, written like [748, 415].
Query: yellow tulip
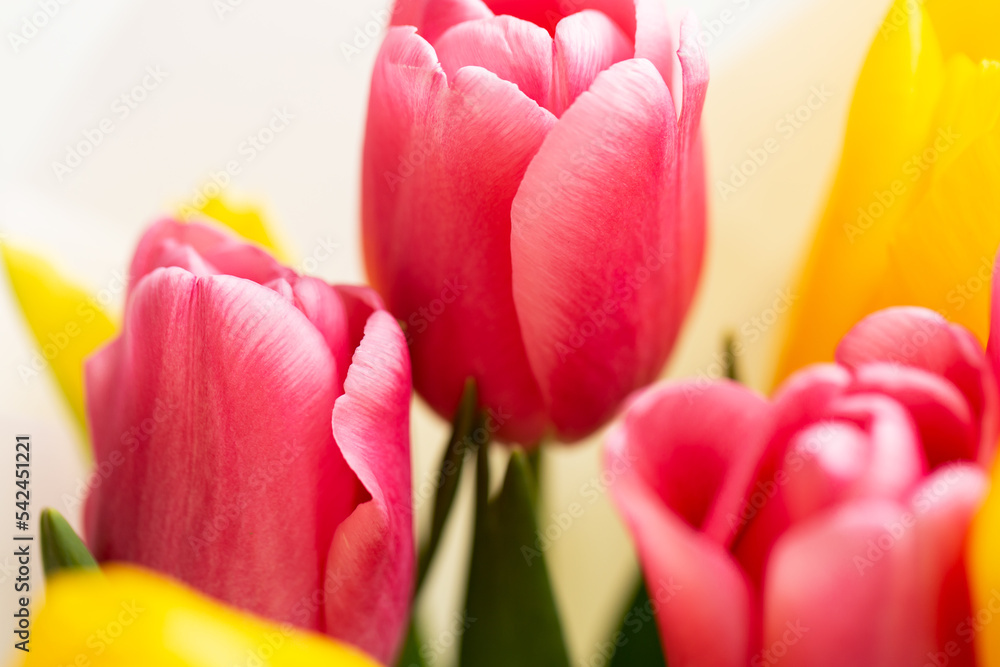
[68, 323]
[128, 616]
[914, 215]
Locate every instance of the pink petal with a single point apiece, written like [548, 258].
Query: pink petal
[359, 303]
[601, 187]
[866, 448]
[442, 164]
[548, 13]
[657, 38]
[694, 68]
[944, 506]
[823, 465]
[896, 460]
[433, 17]
[211, 412]
[691, 162]
[923, 339]
[325, 309]
[372, 559]
[811, 415]
[514, 50]
[993, 345]
[586, 44]
[939, 410]
[202, 250]
[696, 448]
[843, 590]
[680, 564]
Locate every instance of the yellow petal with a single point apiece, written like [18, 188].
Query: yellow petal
[68, 323]
[247, 221]
[971, 27]
[942, 253]
[891, 119]
[128, 616]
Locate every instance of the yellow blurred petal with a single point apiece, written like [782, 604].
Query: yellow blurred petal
[67, 322]
[890, 120]
[128, 616]
[247, 221]
[944, 247]
[971, 27]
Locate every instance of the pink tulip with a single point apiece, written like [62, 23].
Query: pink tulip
[251, 432]
[827, 526]
[534, 200]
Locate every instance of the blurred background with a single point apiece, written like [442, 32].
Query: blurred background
[184, 84]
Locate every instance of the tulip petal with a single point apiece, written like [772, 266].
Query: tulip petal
[586, 44]
[944, 507]
[657, 40]
[677, 479]
[372, 558]
[896, 460]
[602, 186]
[971, 27]
[201, 250]
[983, 562]
[920, 338]
[324, 307]
[227, 382]
[128, 616]
[941, 254]
[825, 463]
[842, 590]
[359, 303]
[66, 321]
[939, 410]
[548, 13]
[466, 148]
[893, 111]
[514, 50]
[881, 458]
[434, 17]
[699, 468]
[691, 161]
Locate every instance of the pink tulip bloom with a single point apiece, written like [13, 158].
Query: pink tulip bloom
[251, 431]
[534, 200]
[826, 526]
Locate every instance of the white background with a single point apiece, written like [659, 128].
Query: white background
[225, 76]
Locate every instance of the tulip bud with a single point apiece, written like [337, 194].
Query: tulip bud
[259, 424]
[546, 158]
[830, 523]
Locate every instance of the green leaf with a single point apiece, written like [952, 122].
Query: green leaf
[410, 657]
[468, 419]
[637, 641]
[61, 548]
[511, 612]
